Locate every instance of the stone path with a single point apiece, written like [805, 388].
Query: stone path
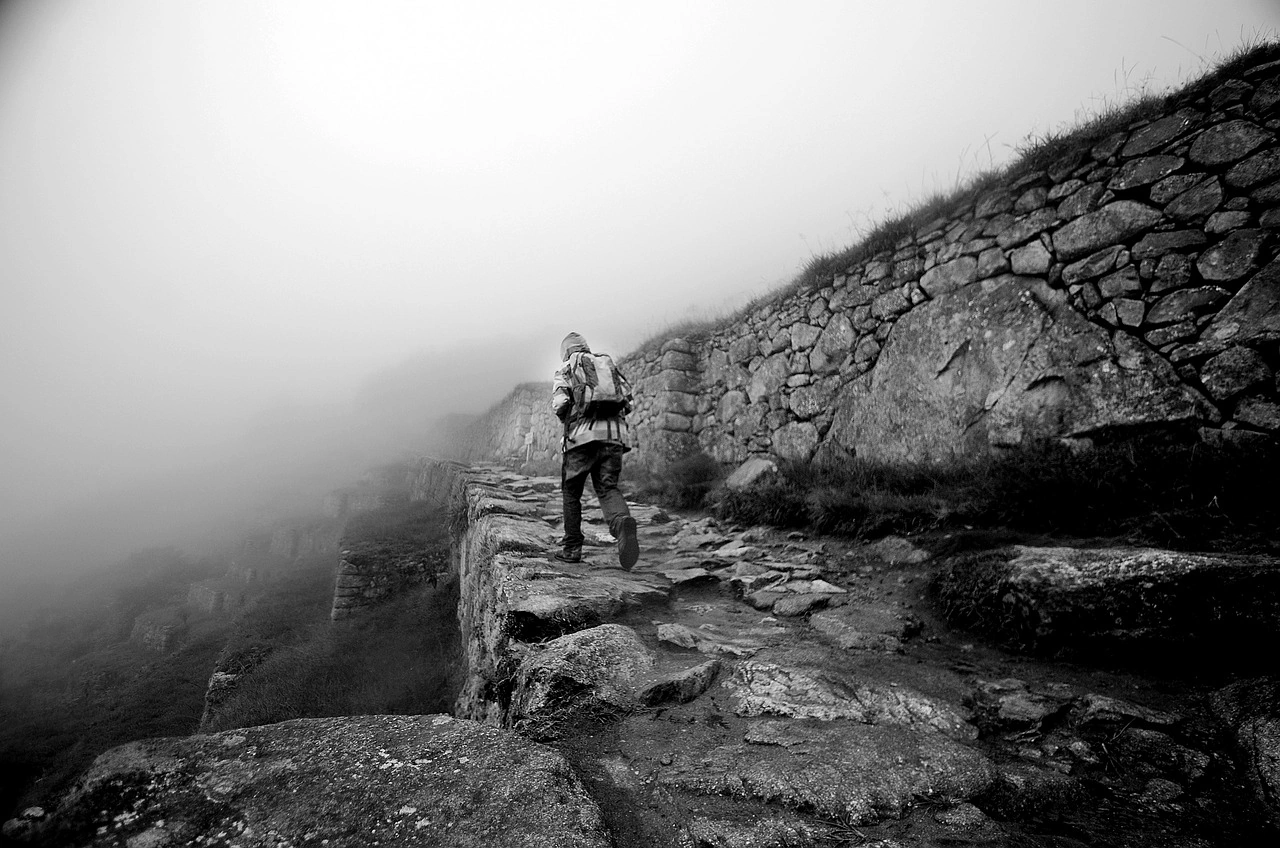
[749, 687]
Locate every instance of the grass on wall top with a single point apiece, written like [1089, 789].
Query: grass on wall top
[1036, 153]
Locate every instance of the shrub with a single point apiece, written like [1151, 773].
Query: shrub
[402, 657]
[684, 484]
[1157, 488]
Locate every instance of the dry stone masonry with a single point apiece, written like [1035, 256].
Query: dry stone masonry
[1131, 283]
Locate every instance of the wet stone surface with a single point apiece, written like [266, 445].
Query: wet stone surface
[746, 715]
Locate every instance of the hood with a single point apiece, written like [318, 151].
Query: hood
[572, 344]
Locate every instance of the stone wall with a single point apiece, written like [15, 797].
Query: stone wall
[372, 569]
[1131, 283]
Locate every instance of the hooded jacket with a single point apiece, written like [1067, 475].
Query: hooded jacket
[584, 430]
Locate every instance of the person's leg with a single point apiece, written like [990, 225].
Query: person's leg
[605, 473]
[577, 465]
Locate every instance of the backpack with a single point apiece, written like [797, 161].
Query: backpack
[596, 387]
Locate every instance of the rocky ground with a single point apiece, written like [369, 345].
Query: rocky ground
[745, 687]
[750, 687]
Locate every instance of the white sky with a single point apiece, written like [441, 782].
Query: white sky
[209, 208]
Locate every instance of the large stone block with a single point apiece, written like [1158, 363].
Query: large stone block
[347, 781]
[1228, 142]
[949, 276]
[1001, 364]
[1233, 371]
[1112, 224]
[1231, 258]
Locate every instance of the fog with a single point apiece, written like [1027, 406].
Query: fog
[249, 248]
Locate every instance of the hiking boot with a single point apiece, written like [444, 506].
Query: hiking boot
[569, 555]
[628, 544]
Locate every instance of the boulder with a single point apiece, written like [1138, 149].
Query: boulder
[761, 688]
[1251, 711]
[997, 364]
[837, 770]
[545, 600]
[1162, 605]
[751, 472]
[1252, 316]
[1114, 223]
[351, 781]
[579, 674]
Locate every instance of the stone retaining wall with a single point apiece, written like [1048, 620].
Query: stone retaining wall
[1132, 283]
[368, 574]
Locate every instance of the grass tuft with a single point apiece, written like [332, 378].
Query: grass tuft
[1038, 152]
[1163, 489]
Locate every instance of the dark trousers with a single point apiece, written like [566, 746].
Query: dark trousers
[603, 462]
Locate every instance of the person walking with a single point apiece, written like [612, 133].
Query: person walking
[591, 398]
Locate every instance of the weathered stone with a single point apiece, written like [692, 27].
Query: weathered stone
[992, 261]
[1173, 271]
[1109, 146]
[351, 781]
[769, 378]
[1145, 171]
[889, 305]
[750, 473]
[579, 672]
[1156, 134]
[1082, 202]
[1266, 97]
[1157, 244]
[792, 606]
[1153, 602]
[1026, 227]
[1031, 199]
[833, 345]
[796, 441]
[1111, 224]
[804, 335]
[865, 629]
[768, 689]
[548, 604]
[744, 642]
[1121, 282]
[1173, 333]
[678, 361]
[949, 276]
[1259, 168]
[1129, 311]
[1259, 412]
[1093, 265]
[1251, 711]
[865, 774]
[1033, 258]
[1228, 142]
[1233, 371]
[994, 364]
[1196, 202]
[673, 422]
[1170, 187]
[730, 404]
[742, 350]
[993, 204]
[681, 403]
[1225, 222]
[1267, 195]
[680, 686]
[1231, 258]
[1181, 305]
[1011, 703]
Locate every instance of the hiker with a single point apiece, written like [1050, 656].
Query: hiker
[592, 398]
